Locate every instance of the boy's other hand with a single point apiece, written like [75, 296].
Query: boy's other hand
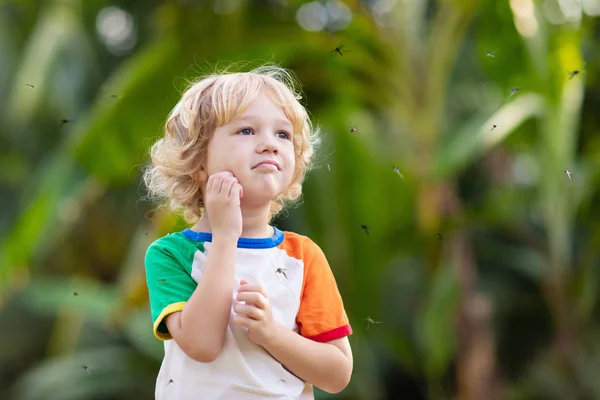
[255, 315]
[222, 200]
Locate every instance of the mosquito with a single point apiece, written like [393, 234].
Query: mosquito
[573, 74]
[354, 129]
[494, 127]
[281, 380]
[568, 173]
[397, 170]
[86, 369]
[440, 236]
[339, 49]
[162, 280]
[27, 84]
[371, 321]
[65, 121]
[514, 91]
[170, 381]
[281, 271]
[366, 229]
[75, 294]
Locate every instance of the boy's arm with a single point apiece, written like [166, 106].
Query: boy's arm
[199, 329]
[327, 366]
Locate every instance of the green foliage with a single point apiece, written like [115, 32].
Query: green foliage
[460, 181]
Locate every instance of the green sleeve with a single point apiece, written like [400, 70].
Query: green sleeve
[168, 276]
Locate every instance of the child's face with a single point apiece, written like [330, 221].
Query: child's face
[261, 134]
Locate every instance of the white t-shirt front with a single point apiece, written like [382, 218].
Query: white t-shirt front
[303, 295]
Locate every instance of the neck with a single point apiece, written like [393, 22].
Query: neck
[255, 223]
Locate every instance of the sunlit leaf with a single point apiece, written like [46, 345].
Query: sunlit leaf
[485, 131]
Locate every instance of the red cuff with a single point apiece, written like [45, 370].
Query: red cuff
[333, 334]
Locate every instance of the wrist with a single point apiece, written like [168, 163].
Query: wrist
[225, 239]
[275, 336]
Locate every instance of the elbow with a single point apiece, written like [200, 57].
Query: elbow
[337, 387]
[203, 353]
[204, 348]
[341, 382]
[203, 356]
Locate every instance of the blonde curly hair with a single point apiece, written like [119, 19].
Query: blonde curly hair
[208, 103]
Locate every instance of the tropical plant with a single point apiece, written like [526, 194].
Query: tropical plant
[441, 196]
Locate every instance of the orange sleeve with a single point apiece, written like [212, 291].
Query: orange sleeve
[321, 316]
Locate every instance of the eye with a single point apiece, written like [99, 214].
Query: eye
[284, 135]
[246, 131]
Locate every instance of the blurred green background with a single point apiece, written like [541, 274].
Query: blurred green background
[482, 258]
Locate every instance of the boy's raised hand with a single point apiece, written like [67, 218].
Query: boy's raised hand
[222, 200]
[255, 315]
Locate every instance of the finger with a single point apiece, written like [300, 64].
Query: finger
[236, 191]
[253, 298]
[242, 320]
[209, 184]
[243, 282]
[217, 182]
[223, 174]
[227, 184]
[252, 287]
[249, 311]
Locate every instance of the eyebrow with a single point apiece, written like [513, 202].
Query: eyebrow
[250, 118]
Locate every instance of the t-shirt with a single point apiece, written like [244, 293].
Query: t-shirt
[300, 287]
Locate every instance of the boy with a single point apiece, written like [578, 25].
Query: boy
[245, 310]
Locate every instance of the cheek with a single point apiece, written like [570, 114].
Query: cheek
[236, 161]
[291, 162]
[224, 158]
[291, 174]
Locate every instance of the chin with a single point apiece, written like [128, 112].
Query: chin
[260, 195]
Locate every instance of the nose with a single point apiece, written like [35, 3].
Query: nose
[268, 143]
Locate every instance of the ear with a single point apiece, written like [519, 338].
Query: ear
[200, 175]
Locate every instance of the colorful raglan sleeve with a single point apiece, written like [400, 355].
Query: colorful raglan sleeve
[321, 316]
[168, 276]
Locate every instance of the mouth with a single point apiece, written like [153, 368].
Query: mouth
[267, 164]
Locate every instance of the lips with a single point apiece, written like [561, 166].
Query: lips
[269, 162]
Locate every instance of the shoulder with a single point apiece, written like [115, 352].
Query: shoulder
[174, 245]
[299, 246]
